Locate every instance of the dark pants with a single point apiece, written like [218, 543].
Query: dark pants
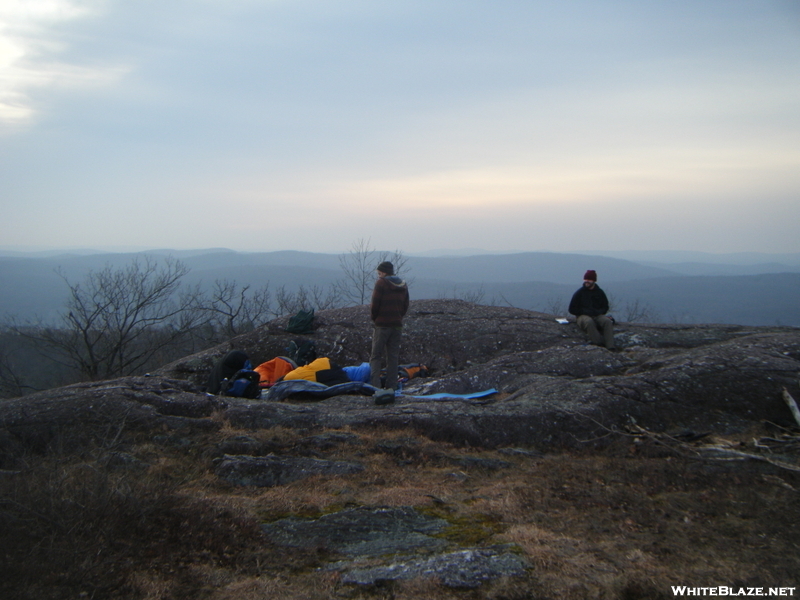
[600, 330]
[385, 342]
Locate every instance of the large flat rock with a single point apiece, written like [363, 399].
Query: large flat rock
[554, 389]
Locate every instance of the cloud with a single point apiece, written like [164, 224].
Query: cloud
[317, 115]
[29, 54]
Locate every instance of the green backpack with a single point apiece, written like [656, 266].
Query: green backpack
[302, 322]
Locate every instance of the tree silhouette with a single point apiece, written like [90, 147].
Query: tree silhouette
[117, 321]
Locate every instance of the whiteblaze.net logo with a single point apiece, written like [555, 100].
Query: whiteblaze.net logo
[723, 590]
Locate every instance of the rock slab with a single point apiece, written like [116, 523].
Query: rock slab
[269, 471]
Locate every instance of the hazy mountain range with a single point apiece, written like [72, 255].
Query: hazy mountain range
[687, 287]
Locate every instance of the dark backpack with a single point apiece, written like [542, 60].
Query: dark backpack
[302, 322]
[225, 368]
[302, 352]
[243, 384]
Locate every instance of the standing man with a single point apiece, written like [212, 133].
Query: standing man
[388, 307]
[590, 305]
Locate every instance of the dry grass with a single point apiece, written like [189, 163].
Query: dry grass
[620, 525]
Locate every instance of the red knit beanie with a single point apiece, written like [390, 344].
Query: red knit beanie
[590, 275]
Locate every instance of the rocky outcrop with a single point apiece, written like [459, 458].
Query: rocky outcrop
[100, 412]
[554, 390]
[459, 569]
[362, 532]
[367, 536]
[567, 394]
[446, 336]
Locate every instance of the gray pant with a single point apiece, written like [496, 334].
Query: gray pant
[385, 342]
[600, 330]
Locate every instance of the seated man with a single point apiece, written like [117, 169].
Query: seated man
[590, 305]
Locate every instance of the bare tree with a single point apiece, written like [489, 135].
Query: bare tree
[556, 306]
[359, 266]
[638, 311]
[11, 384]
[634, 311]
[472, 295]
[306, 298]
[323, 298]
[118, 320]
[232, 310]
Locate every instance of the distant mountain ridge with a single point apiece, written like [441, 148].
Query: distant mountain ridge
[790, 259]
[744, 294]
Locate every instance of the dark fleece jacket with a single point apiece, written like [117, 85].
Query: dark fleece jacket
[589, 302]
[389, 302]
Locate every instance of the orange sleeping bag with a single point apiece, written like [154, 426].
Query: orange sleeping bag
[272, 371]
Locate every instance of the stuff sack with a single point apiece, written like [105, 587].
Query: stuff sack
[302, 322]
[406, 372]
[243, 384]
[384, 397]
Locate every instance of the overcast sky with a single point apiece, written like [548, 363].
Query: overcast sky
[503, 125]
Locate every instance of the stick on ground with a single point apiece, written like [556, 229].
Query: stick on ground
[787, 397]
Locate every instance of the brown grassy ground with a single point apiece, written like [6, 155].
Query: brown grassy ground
[628, 523]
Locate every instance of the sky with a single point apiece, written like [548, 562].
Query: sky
[505, 125]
